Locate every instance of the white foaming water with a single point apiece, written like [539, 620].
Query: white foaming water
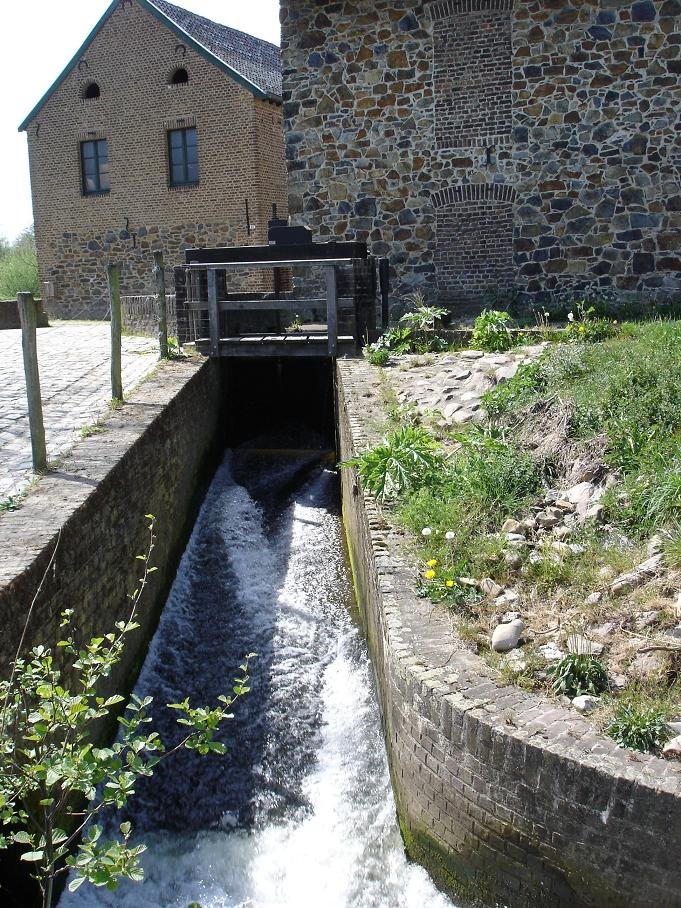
[300, 811]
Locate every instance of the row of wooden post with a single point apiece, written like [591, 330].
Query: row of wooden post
[28, 315]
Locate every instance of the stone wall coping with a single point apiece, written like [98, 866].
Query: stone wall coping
[27, 532]
[424, 641]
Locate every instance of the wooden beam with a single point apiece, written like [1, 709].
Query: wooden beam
[213, 313]
[29, 342]
[114, 278]
[162, 313]
[332, 308]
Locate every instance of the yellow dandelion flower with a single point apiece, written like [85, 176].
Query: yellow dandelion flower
[450, 584]
[432, 562]
[429, 575]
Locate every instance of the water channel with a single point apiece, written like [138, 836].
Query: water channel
[300, 811]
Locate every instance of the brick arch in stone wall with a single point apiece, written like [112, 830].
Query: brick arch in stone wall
[472, 71]
[474, 239]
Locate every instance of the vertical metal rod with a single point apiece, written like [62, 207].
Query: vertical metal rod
[29, 342]
[114, 276]
[248, 220]
[332, 309]
[162, 313]
[213, 312]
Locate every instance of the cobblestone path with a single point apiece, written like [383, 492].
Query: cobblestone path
[74, 364]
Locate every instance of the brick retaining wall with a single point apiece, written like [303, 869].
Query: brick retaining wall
[9, 315]
[152, 459]
[500, 793]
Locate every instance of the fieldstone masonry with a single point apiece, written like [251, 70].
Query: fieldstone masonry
[490, 144]
[517, 798]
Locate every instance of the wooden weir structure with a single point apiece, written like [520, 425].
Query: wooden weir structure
[341, 300]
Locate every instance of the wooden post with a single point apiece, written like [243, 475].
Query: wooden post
[384, 284]
[162, 313]
[114, 274]
[213, 312]
[332, 309]
[29, 342]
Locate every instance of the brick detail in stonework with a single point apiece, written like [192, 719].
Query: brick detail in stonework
[474, 246]
[473, 192]
[456, 7]
[472, 77]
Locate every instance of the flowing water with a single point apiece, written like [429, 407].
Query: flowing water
[300, 811]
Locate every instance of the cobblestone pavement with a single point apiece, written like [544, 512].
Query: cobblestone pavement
[74, 362]
[452, 384]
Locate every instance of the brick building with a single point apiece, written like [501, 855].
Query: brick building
[491, 144]
[163, 132]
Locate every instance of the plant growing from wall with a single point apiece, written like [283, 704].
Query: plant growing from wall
[492, 331]
[577, 674]
[50, 766]
[640, 727]
[415, 331]
[407, 459]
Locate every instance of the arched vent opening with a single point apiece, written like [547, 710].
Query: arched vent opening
[91, 91]
[179, 77]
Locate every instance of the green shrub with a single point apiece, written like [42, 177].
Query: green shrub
[19, 272]
[640, 727]
[577, 674]
[379, 356]
[528, 382]
[652, 494]
[408, 459]
[492, 331]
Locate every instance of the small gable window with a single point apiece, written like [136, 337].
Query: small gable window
[94, 161]
[91, 91]
[183, 157]
[179, 77]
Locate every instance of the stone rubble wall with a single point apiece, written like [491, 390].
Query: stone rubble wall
[152, 458]
[501, 793]
[393, 112]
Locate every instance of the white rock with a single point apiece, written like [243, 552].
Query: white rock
[586, 704]
[507, 617]
[507, 636]
[674, 726]
[580, 494]
[512, 526]
[655, 544]
[516, 661]
[551, 652]
[672, 749]
[490, 588]
[593, 599]
[515, 538]
[677, 605]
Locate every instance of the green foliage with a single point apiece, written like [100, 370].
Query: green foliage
[492, 331]
[19, 268]
[407, 459]
[512, 395]
[639, 726]
[651, 495]
[577, 674]
[414, 332]
[585, 327]
[49, 764]
[379, 357]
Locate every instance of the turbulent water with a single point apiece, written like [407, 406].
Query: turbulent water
[299, 812]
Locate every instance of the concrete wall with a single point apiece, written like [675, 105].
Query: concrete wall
[491, 144]
[501, 794]
[151, 459]
[240, 149]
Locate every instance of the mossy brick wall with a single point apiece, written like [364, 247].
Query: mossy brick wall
[152, 458]
[500, 793]
[241, 155]
[572, 110]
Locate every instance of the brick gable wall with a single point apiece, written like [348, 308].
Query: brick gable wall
[131, 59]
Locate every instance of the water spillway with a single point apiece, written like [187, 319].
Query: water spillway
[300, 810]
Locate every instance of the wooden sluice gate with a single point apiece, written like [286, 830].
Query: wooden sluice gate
[323, 299]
